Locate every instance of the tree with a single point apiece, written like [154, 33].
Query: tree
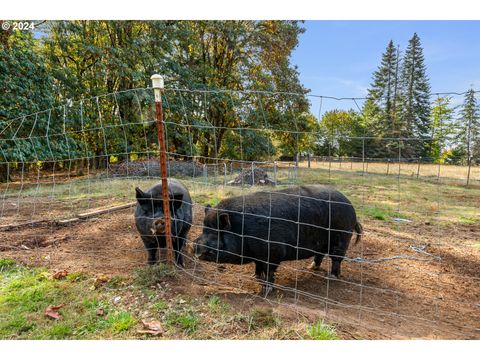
[90, 58]
[468, 125]
[238, 56]
[442, 127]
[27, 88]
[341, 133]
[415, 117]
[241, 72]
[383, 101]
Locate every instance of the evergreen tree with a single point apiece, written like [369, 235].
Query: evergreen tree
[382, 105]
[469, 129]
[415, 119]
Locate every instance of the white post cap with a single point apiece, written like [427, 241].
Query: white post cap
[157, 81]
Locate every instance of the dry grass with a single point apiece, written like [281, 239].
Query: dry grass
[438, 172]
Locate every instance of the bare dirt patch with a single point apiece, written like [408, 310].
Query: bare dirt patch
[412, 295]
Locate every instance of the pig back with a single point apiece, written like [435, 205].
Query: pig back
[288, 224]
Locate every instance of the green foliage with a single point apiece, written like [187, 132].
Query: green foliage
[398, 104]
[415, 116]
[88, 58]
[340, 132]
[442, 128]
[382, 108]
[468, 125]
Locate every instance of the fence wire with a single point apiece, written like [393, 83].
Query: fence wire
[250, 162]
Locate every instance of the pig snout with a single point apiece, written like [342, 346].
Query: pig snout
[158, 226]
[199, 248]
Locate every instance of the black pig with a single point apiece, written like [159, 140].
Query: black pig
[289, 224]
[150, 221]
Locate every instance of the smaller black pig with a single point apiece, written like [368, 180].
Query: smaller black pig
[150, 221]
[270, 227]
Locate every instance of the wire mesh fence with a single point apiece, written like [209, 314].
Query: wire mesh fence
[263, 190]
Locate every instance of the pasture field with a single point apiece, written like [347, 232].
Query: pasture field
[415, 274]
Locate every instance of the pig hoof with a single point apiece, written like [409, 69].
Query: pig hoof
[313, 266]
[221, 268]
[267, 289]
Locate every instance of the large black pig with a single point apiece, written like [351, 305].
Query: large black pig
[289, 224]
[150, 222]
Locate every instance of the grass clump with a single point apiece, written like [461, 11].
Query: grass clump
[7, 265]
[321, 331]
[152, 275]
[261, 317]
[216, 305]
[186, 319]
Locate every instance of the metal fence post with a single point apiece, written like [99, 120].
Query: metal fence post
[418, 168]
[157, 84]
[469, 167]
[253, 173]
[275, 173]
[224, 174]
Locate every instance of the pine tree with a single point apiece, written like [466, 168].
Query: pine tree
[415, 87]
[469, 128]
[382, 105]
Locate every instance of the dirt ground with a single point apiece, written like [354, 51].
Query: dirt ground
[398, 293]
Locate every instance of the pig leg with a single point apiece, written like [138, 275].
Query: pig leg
[177, 247]
[152, 256]
[338, 253]
[317, 261]
[259, 271]
[337, 256]
[270, 279]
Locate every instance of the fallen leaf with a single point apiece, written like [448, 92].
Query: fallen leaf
[99, 280]
[51, 311]
[100, 312]
[153, 328]
[60, 274]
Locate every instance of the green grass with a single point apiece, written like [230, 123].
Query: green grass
[217, 305]
[468, 220]
[91, 313]
[321, 331]
[184, 318]
[25, 293]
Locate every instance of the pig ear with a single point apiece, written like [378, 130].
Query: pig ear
[207, 207]
[224, 221]
[176, 200]
[141, 196]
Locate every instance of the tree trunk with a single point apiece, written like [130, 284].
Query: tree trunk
[4, 173]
